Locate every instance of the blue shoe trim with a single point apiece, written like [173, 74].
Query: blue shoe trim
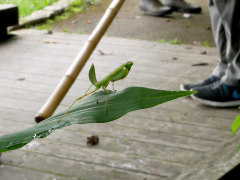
[225, 89]
[212, 79]
[236, 95]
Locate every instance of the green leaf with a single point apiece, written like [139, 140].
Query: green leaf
[92, 110]
[235, 124]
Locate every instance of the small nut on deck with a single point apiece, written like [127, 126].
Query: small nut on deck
[93, 140]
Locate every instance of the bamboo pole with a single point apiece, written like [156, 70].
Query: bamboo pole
[77, 65]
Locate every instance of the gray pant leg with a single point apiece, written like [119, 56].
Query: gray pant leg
[228, 11]
[220, 40]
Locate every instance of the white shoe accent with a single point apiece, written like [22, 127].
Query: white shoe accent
[216, 103]
[182, 88]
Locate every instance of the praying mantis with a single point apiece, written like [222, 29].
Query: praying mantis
[120, 73]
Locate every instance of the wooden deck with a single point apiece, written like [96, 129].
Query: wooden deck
[153, 144]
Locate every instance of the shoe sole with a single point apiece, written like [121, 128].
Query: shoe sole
[217, 104]
[195, 11]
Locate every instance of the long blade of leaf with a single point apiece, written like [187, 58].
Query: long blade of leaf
[92, 110]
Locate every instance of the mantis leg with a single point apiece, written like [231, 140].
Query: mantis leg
[86, 94]
[113, 86]
[107, 98]
[86, 91]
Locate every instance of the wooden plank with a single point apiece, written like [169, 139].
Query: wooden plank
[71, 168]
[173, 105]
[214, 164]
[42, 68]
[67, 56]
[111, 142]
[171, 128]
[9, 172]
[34, 34]
[140, 135]
[102, 69]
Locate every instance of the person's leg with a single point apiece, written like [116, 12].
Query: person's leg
[221, 43]
[219, 35]
[154, 8]
[182, 6]
[231, 19]
[226, 92]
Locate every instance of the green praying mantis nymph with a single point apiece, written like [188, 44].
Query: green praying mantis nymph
[120, 73]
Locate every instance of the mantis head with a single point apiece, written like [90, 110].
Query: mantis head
[128, 65]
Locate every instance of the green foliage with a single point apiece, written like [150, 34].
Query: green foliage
[76, 3]
[236, 124]
[80, 32]
[65, 29]
[26, 7]
[92, 110]
[175, 41]
[45, 27]
[75, 7]
[206, 44]
[65, 15]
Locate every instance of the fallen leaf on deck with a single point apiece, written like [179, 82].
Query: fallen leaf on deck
[21, 79]
[88, 22]
[74, 22]
[200, 64]
[137, 17]
[103, 53]
[48, 41]
[197, 43]
[203, 52]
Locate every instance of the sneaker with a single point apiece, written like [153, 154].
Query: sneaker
[217, 94]
[182, 6]
[210, 80]
[154, 8]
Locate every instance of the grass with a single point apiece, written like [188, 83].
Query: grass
[46, 26]
[175, 41]
[75, 7]
[65, 29]
[206, 44]
[80, 32]
[26, 7]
